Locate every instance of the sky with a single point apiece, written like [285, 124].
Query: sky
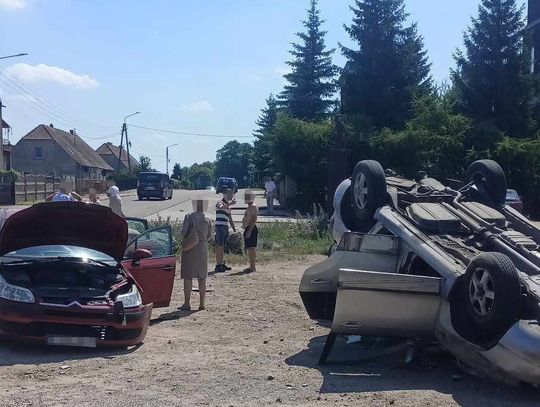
[192, 66]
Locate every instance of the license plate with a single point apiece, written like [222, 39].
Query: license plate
[150, 188]
[71, 341]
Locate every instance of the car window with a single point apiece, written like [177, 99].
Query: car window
[511, 194]
[150, 177]
[51, 251]
[158, 241]
[136, 225]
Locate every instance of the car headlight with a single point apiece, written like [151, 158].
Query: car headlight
[14, 293]
[130, 299]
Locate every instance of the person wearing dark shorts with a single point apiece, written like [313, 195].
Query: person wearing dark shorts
[251, 233]
[223, 220]
[250, 242]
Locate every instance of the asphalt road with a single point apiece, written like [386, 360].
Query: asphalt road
[180, 201]
[180, 205]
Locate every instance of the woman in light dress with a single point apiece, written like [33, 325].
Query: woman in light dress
[195, 261]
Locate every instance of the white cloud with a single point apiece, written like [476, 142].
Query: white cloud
[46, 73]
[282, 70]
[13, 4]
[200, 106]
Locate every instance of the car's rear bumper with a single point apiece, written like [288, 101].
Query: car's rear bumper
[35, 323]
[151, 194]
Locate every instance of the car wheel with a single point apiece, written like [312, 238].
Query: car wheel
[491, 175]
[368, 190]
[489, 299]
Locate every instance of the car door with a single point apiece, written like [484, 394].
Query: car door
[155, 275]
[386, 304]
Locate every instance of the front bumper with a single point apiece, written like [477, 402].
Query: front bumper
[100, 325]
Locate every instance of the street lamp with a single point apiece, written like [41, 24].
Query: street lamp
[1, 121]
[167, 156]
[124, 131]
[129, 115]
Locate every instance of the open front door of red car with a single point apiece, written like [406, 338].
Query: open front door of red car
[155, 275]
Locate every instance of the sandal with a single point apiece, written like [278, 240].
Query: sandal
[202, 307]
[248, 270]
[185, 307]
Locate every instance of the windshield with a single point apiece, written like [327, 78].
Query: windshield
[54, 251]
[512, 194]
[150, 177]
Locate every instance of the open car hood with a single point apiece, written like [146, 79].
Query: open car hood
[65, 223]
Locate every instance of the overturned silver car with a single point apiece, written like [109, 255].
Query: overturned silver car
[422, 259]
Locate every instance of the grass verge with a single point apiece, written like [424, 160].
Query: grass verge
[277, 240]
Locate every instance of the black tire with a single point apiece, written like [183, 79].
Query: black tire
[488, 299]
[139, 197]
[492, 176]
[369, 176]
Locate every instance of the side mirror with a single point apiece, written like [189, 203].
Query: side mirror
[141, 254]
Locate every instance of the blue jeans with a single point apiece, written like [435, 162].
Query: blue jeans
[222, 234]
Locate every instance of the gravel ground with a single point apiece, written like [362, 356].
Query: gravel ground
[253, 346]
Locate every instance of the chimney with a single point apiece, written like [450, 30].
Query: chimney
[51, 126]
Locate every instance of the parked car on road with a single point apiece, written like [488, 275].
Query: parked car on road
[224, 183]
[514, 200]
[422, 260]
[69, 276]
[154, 185]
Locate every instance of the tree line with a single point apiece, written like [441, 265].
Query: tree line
[393, 110]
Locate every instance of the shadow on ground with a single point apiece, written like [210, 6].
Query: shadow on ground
[26, 354]
[172, 316]
[435, 371]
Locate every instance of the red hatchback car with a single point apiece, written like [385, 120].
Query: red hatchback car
[69, 276]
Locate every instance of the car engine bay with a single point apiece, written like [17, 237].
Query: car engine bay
[64, 281]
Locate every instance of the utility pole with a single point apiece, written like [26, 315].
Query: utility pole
[167, 156]
[125, 132]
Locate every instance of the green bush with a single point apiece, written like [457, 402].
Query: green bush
[175, 184]
[12, 173]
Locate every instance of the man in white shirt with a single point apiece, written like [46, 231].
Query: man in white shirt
[270, 193]
[115, 200]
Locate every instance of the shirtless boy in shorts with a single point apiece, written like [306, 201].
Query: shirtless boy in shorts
[249, 222]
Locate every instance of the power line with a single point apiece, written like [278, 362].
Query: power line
[187, 134]
[33, 104]
[49, 105]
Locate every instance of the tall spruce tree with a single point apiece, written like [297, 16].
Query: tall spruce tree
[492, 79]
[309, 94]
[389, 68]
[262, 158]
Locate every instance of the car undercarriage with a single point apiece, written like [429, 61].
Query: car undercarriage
[428, 259]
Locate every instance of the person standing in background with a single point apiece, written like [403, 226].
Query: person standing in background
[249, 223]
[223, 219]
[270, 193]
[93, 197]
[64, 194]
[115, 200]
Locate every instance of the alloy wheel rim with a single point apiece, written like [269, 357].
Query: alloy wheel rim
[482, 292]
[361, 191]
